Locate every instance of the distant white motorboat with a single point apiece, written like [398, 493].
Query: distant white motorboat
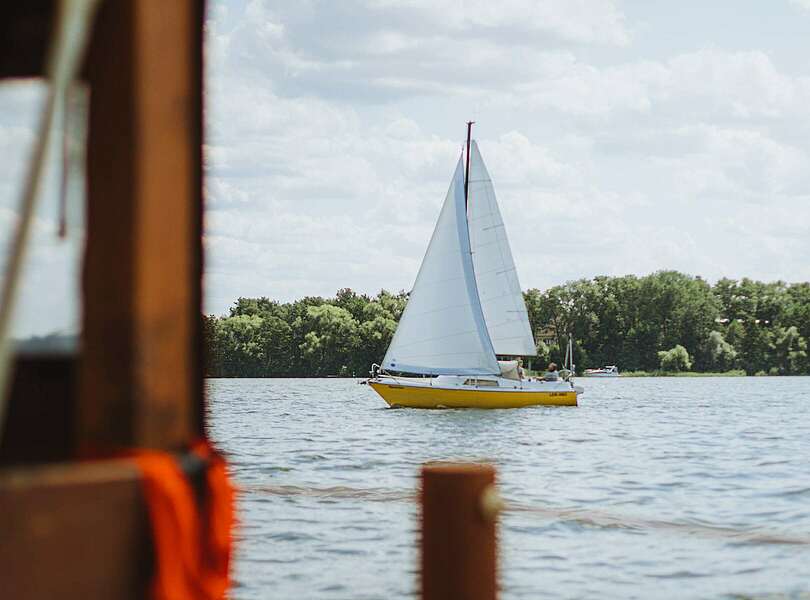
[609, 371]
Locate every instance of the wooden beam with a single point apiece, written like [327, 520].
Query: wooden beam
[73, 531]
[140, 377]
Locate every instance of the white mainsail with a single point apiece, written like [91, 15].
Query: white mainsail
[497, 280]
[442, 330]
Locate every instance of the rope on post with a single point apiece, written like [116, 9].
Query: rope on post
[460, 506]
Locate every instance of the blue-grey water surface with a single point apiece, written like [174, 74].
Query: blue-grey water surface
[651, 488]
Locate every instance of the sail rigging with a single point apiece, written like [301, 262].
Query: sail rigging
[442, 330]
[497, 280]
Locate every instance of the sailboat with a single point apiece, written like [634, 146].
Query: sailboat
[466, 308]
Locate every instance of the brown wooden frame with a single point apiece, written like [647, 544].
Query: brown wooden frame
[77, 529]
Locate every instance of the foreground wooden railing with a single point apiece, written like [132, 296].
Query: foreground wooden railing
[73, 530]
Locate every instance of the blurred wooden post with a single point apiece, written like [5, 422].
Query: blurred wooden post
[459, 549]
[141, 372]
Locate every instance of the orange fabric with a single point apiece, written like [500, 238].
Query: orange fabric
[220, 510]
[192, 543]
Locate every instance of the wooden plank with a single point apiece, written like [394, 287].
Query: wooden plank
[141, 371]
[39, 425]
[459, 550]
[73, 531]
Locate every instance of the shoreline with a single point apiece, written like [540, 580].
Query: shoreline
[628, 374]
[734, 373]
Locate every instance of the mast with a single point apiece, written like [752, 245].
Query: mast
[467, 173]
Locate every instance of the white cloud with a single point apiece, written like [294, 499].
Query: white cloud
[329, 150]
[706, 82]
[367, 51]
[578, 21]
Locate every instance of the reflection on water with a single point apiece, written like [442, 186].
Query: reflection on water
[651, 488]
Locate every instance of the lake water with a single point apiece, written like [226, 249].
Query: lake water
[651, 488]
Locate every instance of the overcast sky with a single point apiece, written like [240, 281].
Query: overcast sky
[622, 137]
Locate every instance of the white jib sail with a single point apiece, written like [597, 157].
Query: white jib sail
[442, 330]
[498, 285]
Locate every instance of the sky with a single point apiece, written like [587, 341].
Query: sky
[621, 136]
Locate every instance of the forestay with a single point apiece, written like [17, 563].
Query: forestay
[442, 330]
[498, 285]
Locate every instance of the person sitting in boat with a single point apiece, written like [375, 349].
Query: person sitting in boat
[552, 374]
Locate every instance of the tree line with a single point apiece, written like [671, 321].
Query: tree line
[667, 321]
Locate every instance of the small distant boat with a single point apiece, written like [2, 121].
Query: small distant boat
[609, 371]
[465, 309]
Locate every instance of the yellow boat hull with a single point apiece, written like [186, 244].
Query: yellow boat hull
[433, 397]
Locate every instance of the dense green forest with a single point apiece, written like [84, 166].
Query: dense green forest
[666, 321]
